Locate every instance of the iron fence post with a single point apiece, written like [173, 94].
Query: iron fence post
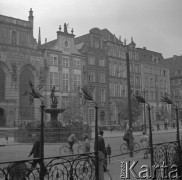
[42, 143]
[150, 138]
[96, 143]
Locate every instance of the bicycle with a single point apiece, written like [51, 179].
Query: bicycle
[65, 149]
[125, 149]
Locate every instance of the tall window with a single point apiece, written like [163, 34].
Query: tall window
[91, 115]
[131, 80]
[102, 62]
[54, 61]
[102, 78]
[66, 62]
[102, 95]
[136, 66]
[137, 81]
[111, 69]
[117, 88]
[92, 76]
[146, 82]
[102, 115]
[112, 91]
[14, 37]
[65, 82]
[91, 60]
[76, 64]
[54, 80]
[77, 81]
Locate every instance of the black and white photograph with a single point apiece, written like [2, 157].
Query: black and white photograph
[90, 89]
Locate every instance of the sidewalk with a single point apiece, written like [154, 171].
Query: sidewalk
[109, 134]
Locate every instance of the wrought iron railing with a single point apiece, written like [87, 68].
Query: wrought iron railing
[166, 157]
[166, 153]
[79, 167]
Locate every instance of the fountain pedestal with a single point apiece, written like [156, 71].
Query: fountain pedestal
[54, 111]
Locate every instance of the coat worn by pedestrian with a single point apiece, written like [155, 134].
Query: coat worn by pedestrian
[101, 145]
[35, 149]
[102, 155]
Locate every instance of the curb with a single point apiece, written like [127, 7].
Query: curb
[154, 133]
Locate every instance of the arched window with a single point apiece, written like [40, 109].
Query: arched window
[102, 115]
[2, 84]
[25, 108]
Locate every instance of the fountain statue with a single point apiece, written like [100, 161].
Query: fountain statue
[54, 111]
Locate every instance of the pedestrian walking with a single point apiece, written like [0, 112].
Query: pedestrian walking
[7, 139]
[36, 152]
[158, 127]
[86, 144]
[165, 125]
[102, 154]
[144, 141]
[108, 151]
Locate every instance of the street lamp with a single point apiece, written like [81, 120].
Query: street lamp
[165, 99]
[35, 94]
[129, 104]
[87, 96]
[144, 115]
[141, 99]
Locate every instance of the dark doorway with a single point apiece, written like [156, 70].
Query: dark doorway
[2, 118]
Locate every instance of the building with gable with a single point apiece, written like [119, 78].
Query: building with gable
[95, 73]
[175, 69]
[64, 71]
[20, 63]
[155, 83]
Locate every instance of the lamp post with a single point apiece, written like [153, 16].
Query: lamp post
[87, 96]
[144, 123]
[141, 99]
[42, 142]
[129, 104]
[165, 99]
[35, 94]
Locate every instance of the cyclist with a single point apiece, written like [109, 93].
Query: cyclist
[71, 140]
[126, 137]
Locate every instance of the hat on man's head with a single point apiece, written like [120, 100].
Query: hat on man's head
[101, 132]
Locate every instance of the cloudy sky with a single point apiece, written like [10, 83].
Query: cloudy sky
[154, 24]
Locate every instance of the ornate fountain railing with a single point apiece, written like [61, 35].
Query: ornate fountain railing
[79, 167]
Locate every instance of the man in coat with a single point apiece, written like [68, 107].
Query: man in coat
[35, 150]
[102, 154]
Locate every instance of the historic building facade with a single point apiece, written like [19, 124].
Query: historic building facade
[67, 63]
[20, 63]
[155, 81]
[63, 70]
[95, 73]
[175, 68]
[117, 76]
